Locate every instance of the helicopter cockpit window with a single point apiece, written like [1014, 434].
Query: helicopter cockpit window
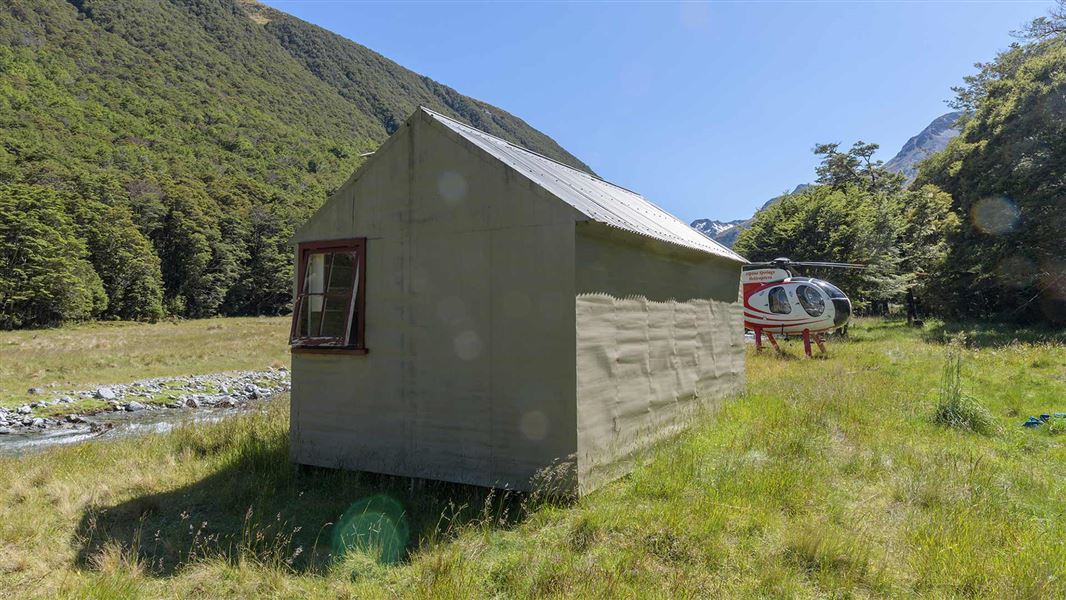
[811, 300]
[779, 301]
[832, 290]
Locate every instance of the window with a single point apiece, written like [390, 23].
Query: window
[811, 300]
[328, 314]
[779, 301]
[832, 290]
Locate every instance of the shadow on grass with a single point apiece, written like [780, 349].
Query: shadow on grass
[993, 334]
[260, 507]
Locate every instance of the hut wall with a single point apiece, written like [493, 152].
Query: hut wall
[659, 341]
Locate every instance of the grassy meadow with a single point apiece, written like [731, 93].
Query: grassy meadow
[80, 356]
[828, 478]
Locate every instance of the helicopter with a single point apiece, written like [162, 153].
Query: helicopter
[778, 301]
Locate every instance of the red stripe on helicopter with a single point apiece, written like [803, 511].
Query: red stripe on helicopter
[783, 320]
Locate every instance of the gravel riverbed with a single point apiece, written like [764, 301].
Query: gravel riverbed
[230, 390]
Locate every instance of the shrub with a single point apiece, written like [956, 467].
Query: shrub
[955, 408]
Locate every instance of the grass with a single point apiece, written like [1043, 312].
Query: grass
[82, 356]
[828, 478]
[956, 408]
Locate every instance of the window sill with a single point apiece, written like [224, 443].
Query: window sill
[327, 350]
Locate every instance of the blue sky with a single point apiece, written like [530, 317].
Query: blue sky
[706, 109]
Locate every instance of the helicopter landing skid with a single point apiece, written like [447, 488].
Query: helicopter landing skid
[807, 342]
[770, 336]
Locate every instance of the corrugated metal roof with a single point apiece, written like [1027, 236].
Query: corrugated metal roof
[597, 199]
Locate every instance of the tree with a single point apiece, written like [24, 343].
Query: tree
[123, 258]
[265, 283]
[1006, 172]
[198, 265]
[856, 167]
[45, 275]
[1049, 27]
[836, 225]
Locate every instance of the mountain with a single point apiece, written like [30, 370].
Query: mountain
[932, 139]
[711, 228]
[204, 130]
[726, 232]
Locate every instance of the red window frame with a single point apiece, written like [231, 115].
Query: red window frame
[354, 341]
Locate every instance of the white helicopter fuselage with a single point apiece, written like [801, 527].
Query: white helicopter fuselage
[775, 301]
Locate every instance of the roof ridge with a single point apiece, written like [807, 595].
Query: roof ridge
[524, 149]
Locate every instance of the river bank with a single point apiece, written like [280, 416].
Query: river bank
[75, 415]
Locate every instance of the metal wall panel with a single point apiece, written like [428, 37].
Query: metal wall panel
[649, 360]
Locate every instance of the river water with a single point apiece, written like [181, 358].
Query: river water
[114, 425]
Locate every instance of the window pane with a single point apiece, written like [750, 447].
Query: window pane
[811, 300]
[335, 316]
[779, 301]
[316, 273]
[342, 275]
[310, 315]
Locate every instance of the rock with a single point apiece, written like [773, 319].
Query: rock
[66, 400]
[226, 402]
[106, 393]
[38, 422]
[25, 409]
[192, 403]
[5, 430]
[27, 421]
[135, 406]
[35, 391]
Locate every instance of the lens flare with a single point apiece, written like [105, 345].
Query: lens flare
[452, 187]
[534, 425]
[468, 345]
[375, 525]
[997, 215]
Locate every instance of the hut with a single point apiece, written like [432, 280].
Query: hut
[470, 311]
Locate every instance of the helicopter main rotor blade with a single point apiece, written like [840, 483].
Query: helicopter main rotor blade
[829, 264]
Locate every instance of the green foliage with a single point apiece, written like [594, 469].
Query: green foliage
[191, 137]
[848, 225]
[855, 168]
[859, 213]
[1007, 174]
[45, 275]
[123, 258]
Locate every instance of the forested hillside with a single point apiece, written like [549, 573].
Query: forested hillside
[1007, 174]
[155, 155]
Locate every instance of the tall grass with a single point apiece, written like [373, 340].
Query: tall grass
[955, 408]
